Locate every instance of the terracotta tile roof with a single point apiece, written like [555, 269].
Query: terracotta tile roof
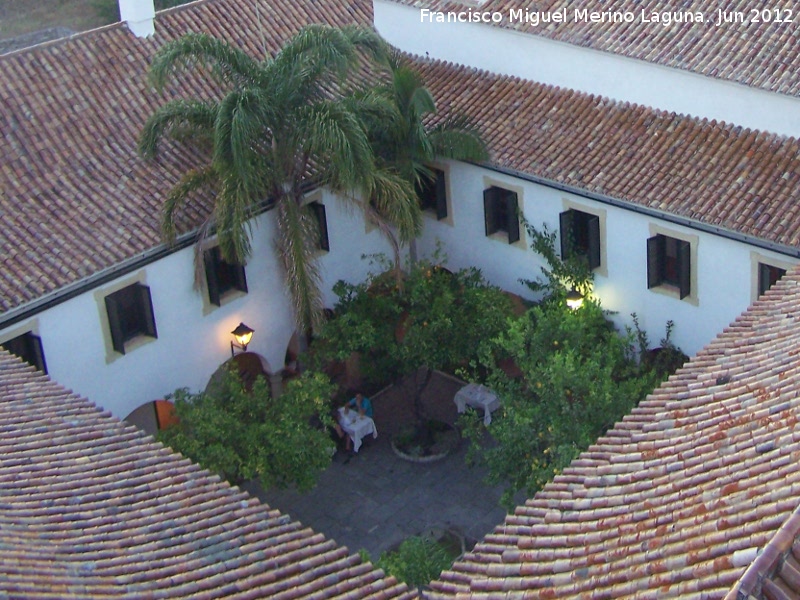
[775, 574]
[761, 55]
[680, 496]
[76, 197]
[91, 508]
[722, 175]
[77, 200]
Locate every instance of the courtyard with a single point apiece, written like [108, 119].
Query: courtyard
[373, 500]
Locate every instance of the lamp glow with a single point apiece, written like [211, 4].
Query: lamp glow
[243, 334]
[574, 299]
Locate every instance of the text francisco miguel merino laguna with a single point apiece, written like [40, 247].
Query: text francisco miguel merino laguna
[578, 15]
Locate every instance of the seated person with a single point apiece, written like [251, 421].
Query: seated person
[362, 404]
[358, 403]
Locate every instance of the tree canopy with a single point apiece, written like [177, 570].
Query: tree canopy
[280, 126]
[436, 320]
[243, 434]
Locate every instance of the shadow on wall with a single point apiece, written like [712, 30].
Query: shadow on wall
[160, 414]
[153, 416]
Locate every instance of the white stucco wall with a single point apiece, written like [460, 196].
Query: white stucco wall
[556, 63]
[725, 277]
[190, 345]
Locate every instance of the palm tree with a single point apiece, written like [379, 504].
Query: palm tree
[281, 125]
[407, 142]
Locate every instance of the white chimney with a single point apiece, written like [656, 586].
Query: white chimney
[139, 15]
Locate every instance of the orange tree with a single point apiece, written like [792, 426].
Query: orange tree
[242, 434]
[577, 376]
[434, 320]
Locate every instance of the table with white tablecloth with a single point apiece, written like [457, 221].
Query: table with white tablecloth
[477, 396]
[356, 426]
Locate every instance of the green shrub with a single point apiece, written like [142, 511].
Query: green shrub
[417, 561]
[579, 377]
[243, 434]
[434, 320]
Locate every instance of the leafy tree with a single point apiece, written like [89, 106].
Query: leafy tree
[436, 320]
[280, 125]
[243, 434]
[560, 275]
[579, 376]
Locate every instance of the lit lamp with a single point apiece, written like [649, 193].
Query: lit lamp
[574, 299]
[243, 335]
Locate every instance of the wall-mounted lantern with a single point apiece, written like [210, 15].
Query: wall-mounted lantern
[243, 334]
[574, 299]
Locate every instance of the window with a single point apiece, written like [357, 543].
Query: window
[130, 315]
[432, 194]
[29, 348]
[500, 212]
[318, 210]
[580, 236]
[768, 276]
[222, 277]
[669, 263]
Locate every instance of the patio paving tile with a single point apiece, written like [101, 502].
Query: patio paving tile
[375, 500]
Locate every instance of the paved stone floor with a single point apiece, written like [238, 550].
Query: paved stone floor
[374, 500]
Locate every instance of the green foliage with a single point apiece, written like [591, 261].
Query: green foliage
[560, 275]
[579, 377]
[417, 561]
[243, 434]
[436, 319]
[405, 140]
[277, 120]
[665, 359]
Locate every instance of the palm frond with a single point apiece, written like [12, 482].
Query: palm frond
[238, 137]
[411, 95]
[185, 117]
[455, 138]
[319, 49]
[297, 231]
[335, 137]
[191, 181]
[395, 200]
[227, 62]
[232, 214]
[370, 42]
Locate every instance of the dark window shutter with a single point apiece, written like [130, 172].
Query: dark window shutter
[28, 347]
[241, 278]
[565, 221]
[114, 324]
[441, 196]
[594, 241]
[763, 278]
[512, 216]
[488, 210]
[37, 352]
[685, 267]
[655, 260]
[149, 325]
[322, 223]
[211, 260]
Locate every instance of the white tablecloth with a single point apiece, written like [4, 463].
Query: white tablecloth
[356, 426]
[477, 396]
